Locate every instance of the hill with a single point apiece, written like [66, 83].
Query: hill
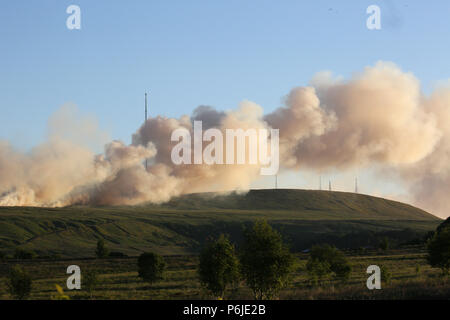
[310, 204]
[183, 224]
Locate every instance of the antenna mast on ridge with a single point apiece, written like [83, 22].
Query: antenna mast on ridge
[356, 185]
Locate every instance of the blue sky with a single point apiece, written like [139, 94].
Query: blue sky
[190, 53]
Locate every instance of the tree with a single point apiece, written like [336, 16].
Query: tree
[439, 248]
[90, 281]
[341, 268]
[327, 260]
[317, 270]
[443, 225]
[19, 283]
[101, 251]
[266, 262]
[151, 267]
[384, 244]
[218, 266]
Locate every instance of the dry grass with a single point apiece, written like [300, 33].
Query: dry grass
[412, 278]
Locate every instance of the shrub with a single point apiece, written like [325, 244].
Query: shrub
[90, 281]
[23, 254]
[327, 260]
[19, 283]
[266, 262]
[439, 248]
[443, 225]
[384, 244]
[101, 251]
[116, 254]
[427, 237]
[218, 266]
[317, 270]
[151, 267]
[341, 269]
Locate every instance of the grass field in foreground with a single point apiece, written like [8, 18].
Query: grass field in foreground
[412, 278]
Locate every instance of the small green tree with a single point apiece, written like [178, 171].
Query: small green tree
[439, 248]
[327, 260]
[101, 251]
[266, 262]
[341, 268]
[384, 244]
[443, 225]
[90, 281]
[151, 267]
[317, 270]
[218, 266]
[19, 283]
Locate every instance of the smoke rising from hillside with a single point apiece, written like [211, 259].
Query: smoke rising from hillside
[379, 117]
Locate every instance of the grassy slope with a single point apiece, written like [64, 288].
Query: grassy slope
[182, 225]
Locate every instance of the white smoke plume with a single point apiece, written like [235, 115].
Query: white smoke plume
[377, 118]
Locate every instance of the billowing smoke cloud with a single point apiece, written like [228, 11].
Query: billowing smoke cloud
[429, 179]
[203, 178]
[377, 118]
[62, 172]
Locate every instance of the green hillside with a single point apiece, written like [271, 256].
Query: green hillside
[182, 225]
[311, 204]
